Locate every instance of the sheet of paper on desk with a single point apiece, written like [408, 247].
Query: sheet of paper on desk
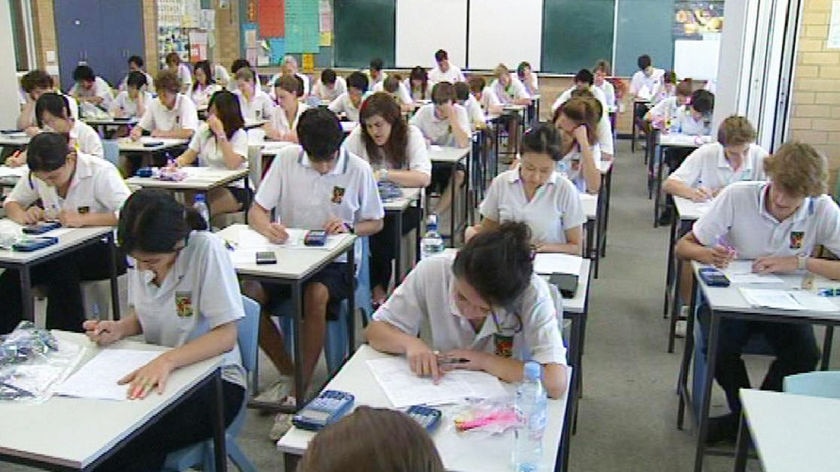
[740, 273]
[554, 263]
[796, 300]
[6, 171]
[98, 377]
[252, 240]
[404, 388]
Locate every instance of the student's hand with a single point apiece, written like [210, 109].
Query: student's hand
[136, 133]
[719, 256]
[143, 380]
[102, 332]
[32, 131]
[717, 191]
[475, 360]
[422, 360]
[160, 133]
[33, 215]
[71, 219]
[16, 160]
[215, 125]
[701, 194]
[335, 226]
[775, 264]
[580, 135]
[514, 163]
[276, 233]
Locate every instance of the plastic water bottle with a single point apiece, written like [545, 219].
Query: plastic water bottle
[530, 405]
[200, 205]
[432, 242]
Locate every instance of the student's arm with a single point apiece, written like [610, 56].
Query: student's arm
[675, 186]
[689, 248]
[17, 213]
[27, 115]
[107, 332]
[187, 158]
[259, 219]
[460, 125]
[572, 245]
[589, 168]
[419, 173]
[409, 178]
[384, 337]
[73, 219]
[180, 133]
[233, 159]
[680, 182]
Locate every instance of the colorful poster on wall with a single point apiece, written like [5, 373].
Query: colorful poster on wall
[198, 46]
[693, 20]
[251, 11]
[271, 17]
[173, 39]
[169, 13]
[277, 49]
[191, 13]
[325, 20]
[302, 26]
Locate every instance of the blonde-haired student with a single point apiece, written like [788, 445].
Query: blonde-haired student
[256, 105]
[508, 89]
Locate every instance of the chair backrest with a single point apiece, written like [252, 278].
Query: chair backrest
[111, 149]
[248, 334]
[255, 165]
[816, 384]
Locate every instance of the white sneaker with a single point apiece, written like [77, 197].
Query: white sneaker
[680, 329]
[282, 424]
[278, 392]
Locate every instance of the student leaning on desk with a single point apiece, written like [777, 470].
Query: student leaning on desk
[580, 144]
[35, 84]
[486, 308]
[171, 115]
[778, 224]
[78, 190]
[183, 294]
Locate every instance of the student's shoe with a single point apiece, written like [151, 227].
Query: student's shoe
[665, 217]
[282, 424]
[277, 393]
[722, 429]
[682, 323]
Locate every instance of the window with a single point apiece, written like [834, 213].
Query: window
[22, 34]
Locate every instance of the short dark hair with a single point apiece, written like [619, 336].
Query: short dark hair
[358, 81]
[52, 103]
[376, 64]
[166, 80]
[319, 133]
[136, 60]
[228, 111]
[702, 101]
[289, 83]
[47, 152]
[238, 64]
[441, 55]
[135, 79]
[543, 139]
[443, 92]
[462, 90]
[520, 69]
[391, 84]
[328, 76]
[152, 221]
[585, 75]
[36, 79]
[643, 61]
[497, 264]
[83, 72]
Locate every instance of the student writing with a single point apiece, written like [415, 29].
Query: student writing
[283, 123]
[171, 115]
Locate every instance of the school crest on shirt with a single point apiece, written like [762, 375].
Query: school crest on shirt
[83, 209]
[796, 238]
[183, 304]
[503, 345]
[337, 194]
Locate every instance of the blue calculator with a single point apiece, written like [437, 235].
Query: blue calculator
[323, 410]
[428, 418]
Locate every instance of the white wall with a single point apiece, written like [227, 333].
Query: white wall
[9, 91]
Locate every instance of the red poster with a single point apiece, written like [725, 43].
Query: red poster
[271, 18]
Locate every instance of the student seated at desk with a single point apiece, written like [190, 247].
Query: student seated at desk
[78, 190]
[183, 294]
[445, 71]
[329, 87]
[584, 80]
[418, 84]
[90, 88]
[668, 89]
[397, 153]
[181, 70]
[375, 73]
[221, 143]
[464, 98]
[410, 447]
[171, 115]
[135, 64]
[535, 194]
[234, 68]
[394, 86]
[508, 89]
[349, 102]
[493, 321]
[694, 118]
[284, 122]
[662, 114]
[490, 104]
[315, 185]
[577, 121]
[256, 105]
[601, 71]
[778, 224]
[220, 75]
[132, 102]
[35, 84]
[646, 82]
[528, 78]
[203, 86]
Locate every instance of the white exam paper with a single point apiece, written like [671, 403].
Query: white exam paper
[555, 263]
[98, 378]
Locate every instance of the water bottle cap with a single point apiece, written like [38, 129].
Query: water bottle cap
[200, 197]
[532, 370]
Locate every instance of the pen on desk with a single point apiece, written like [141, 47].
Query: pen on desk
[452, 360]
[230, 245]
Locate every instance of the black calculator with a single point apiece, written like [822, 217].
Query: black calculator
[323, 410]
[428, 418]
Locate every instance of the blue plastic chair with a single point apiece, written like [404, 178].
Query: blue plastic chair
[816, 384]
[202, 454]
[112, 151]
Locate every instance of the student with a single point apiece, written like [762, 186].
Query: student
[349, 102]
[602, 71]
[508, 89]
[256, 105]
[239, 64]
[221, 143]
[35, 84]
[490, 104]
[668, 89]
[397, 153]
[172, 115]
[135, 64]
[418, 84]
[376, 74]
[182, 294]
[132, 102]
[78, 190]
[445, 71]
[315, 186]
[289, 66]
[584, 80]
[285, 119]
[646, 82]
[464, 98]
[394, 86]
[577, 121]
[604, 129]
[667, 109]
[330, 86]
[528, 78]
[778, 224]
[53, 114]
[90, 88]
[493, 322]
[203, 86]
[182, 71]
[411, 449]
[535, 194]
[694, 118]
[221, 75]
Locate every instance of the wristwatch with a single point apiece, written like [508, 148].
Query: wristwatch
[801, 262]
[383, 174]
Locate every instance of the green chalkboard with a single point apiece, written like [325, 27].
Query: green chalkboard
[644, 27]
[576, 34]
[364, 29]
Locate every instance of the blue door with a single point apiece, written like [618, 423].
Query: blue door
[78, 26]
[121, 38]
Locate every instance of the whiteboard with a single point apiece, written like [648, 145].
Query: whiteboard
[696, 59]
[505, 31]
[424, 26]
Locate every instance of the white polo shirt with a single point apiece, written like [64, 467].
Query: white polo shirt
[708, 166]
[427, 296]
[100, 89]
[474, 111]
[686, 124]
[183, 115]
[567, 95]
[150, 82]
[608, 90]
[201, 95]
[200, 292]
[416, 153]
[488, 100]
[86, 139]
[402, 95]
[514, 91]
[303, 77]
[127, 106]
[418, 93]
[210, 154]
[452, 75]
[667, 107]
[304, 198]
[343, 104]
[96, 187]
[436, 130]
[570, 165]
[280, 122]
[184, 74]
[260, 107]
[739, 214]
[329, 94]
[652, 83]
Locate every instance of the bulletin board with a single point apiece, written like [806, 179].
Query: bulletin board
[272, 29]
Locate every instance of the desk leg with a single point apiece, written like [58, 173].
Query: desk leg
[650, 170]
[575, 343]
[351, 302]
[26, 293]
[219, 424]
[608, 188]
[290, 462]
[657, 186]
[669, 274]
[398, 249]
[703, 420]
[634, 130]
[247, 197]
[675, 312]
[742, 444]
[827, 341]
[297, 297]
[452, 206]
[561, 463]
[115, 288]
[688, 351]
